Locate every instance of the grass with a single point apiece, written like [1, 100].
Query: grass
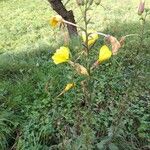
[31, 117]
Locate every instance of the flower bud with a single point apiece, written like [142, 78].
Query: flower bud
[141, 7]
[80, 2]
[97, 2]
[90, 2]
[69, 86]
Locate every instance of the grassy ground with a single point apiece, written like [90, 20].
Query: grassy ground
[32, 118]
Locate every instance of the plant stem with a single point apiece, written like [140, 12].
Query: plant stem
[142, 32]
[100, 33]
[88, 80]
[70, 23]
[86, 25]
[131, 35]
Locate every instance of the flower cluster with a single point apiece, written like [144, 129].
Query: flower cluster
[89, 37]
[62, 55]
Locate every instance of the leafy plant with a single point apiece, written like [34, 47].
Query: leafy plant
[80, 103]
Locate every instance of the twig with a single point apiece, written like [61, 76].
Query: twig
[105, 35]
[131, 35]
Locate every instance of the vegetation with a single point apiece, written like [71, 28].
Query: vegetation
[35, 116]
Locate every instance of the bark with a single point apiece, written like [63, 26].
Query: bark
[58, 6]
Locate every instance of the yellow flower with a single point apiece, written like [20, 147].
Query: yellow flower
[61, 55]
[104, 53]
[93, 36]
[55, 20]
[69, 86]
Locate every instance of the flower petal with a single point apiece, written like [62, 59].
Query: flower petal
[55, 20]
[104, 53]
[61, 55]
[69, 86]
[93, 36]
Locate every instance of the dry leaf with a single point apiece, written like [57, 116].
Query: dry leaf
[122, 40]
[79, 68]
[114, 43]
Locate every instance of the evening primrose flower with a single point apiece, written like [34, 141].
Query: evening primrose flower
[93, 36]
[69, 86]
[104, 54]
[61, 55]
[55, 20]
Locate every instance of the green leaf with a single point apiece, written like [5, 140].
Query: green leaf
[112, 146]
[101, 145]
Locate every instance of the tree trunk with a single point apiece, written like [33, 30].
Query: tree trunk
[58, 6]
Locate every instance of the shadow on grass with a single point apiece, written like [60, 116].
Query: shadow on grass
[15, 60]
[13, 63]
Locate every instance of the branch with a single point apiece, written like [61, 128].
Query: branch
[58, 6]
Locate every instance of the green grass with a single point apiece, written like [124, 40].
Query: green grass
[32, 118]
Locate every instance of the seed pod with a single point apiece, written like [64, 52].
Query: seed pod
[80, 2]
[97, 2]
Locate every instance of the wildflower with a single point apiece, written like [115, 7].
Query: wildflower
[61, 55]
[55, 20]
[69, 86]
[141, 7]
[104, 53]
[93, 36]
